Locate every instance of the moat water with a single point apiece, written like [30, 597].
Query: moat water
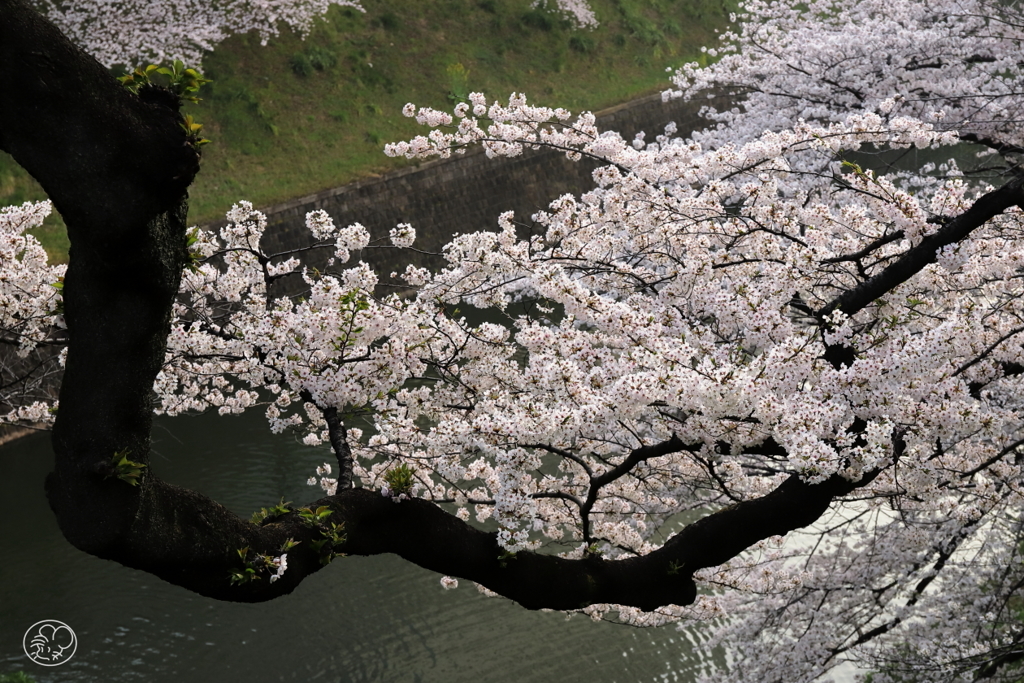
[362, 620]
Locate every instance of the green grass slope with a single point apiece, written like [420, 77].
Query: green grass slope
[294, 117]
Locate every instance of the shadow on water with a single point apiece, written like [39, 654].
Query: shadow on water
[375, 619]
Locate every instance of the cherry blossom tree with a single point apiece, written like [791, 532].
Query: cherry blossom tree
[753, 380]
[138, 32]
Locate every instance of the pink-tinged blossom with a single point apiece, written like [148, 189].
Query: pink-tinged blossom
[403, 235]
[319, 224]
[280, 565]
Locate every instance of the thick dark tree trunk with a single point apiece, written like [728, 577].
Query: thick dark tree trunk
[117, 168]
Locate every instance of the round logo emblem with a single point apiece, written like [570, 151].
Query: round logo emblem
[50, 642]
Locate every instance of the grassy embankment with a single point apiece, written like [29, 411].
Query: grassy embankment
[294, 117]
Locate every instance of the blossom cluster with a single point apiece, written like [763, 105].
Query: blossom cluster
[234, 346]
[280, 566]
[31, 319]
